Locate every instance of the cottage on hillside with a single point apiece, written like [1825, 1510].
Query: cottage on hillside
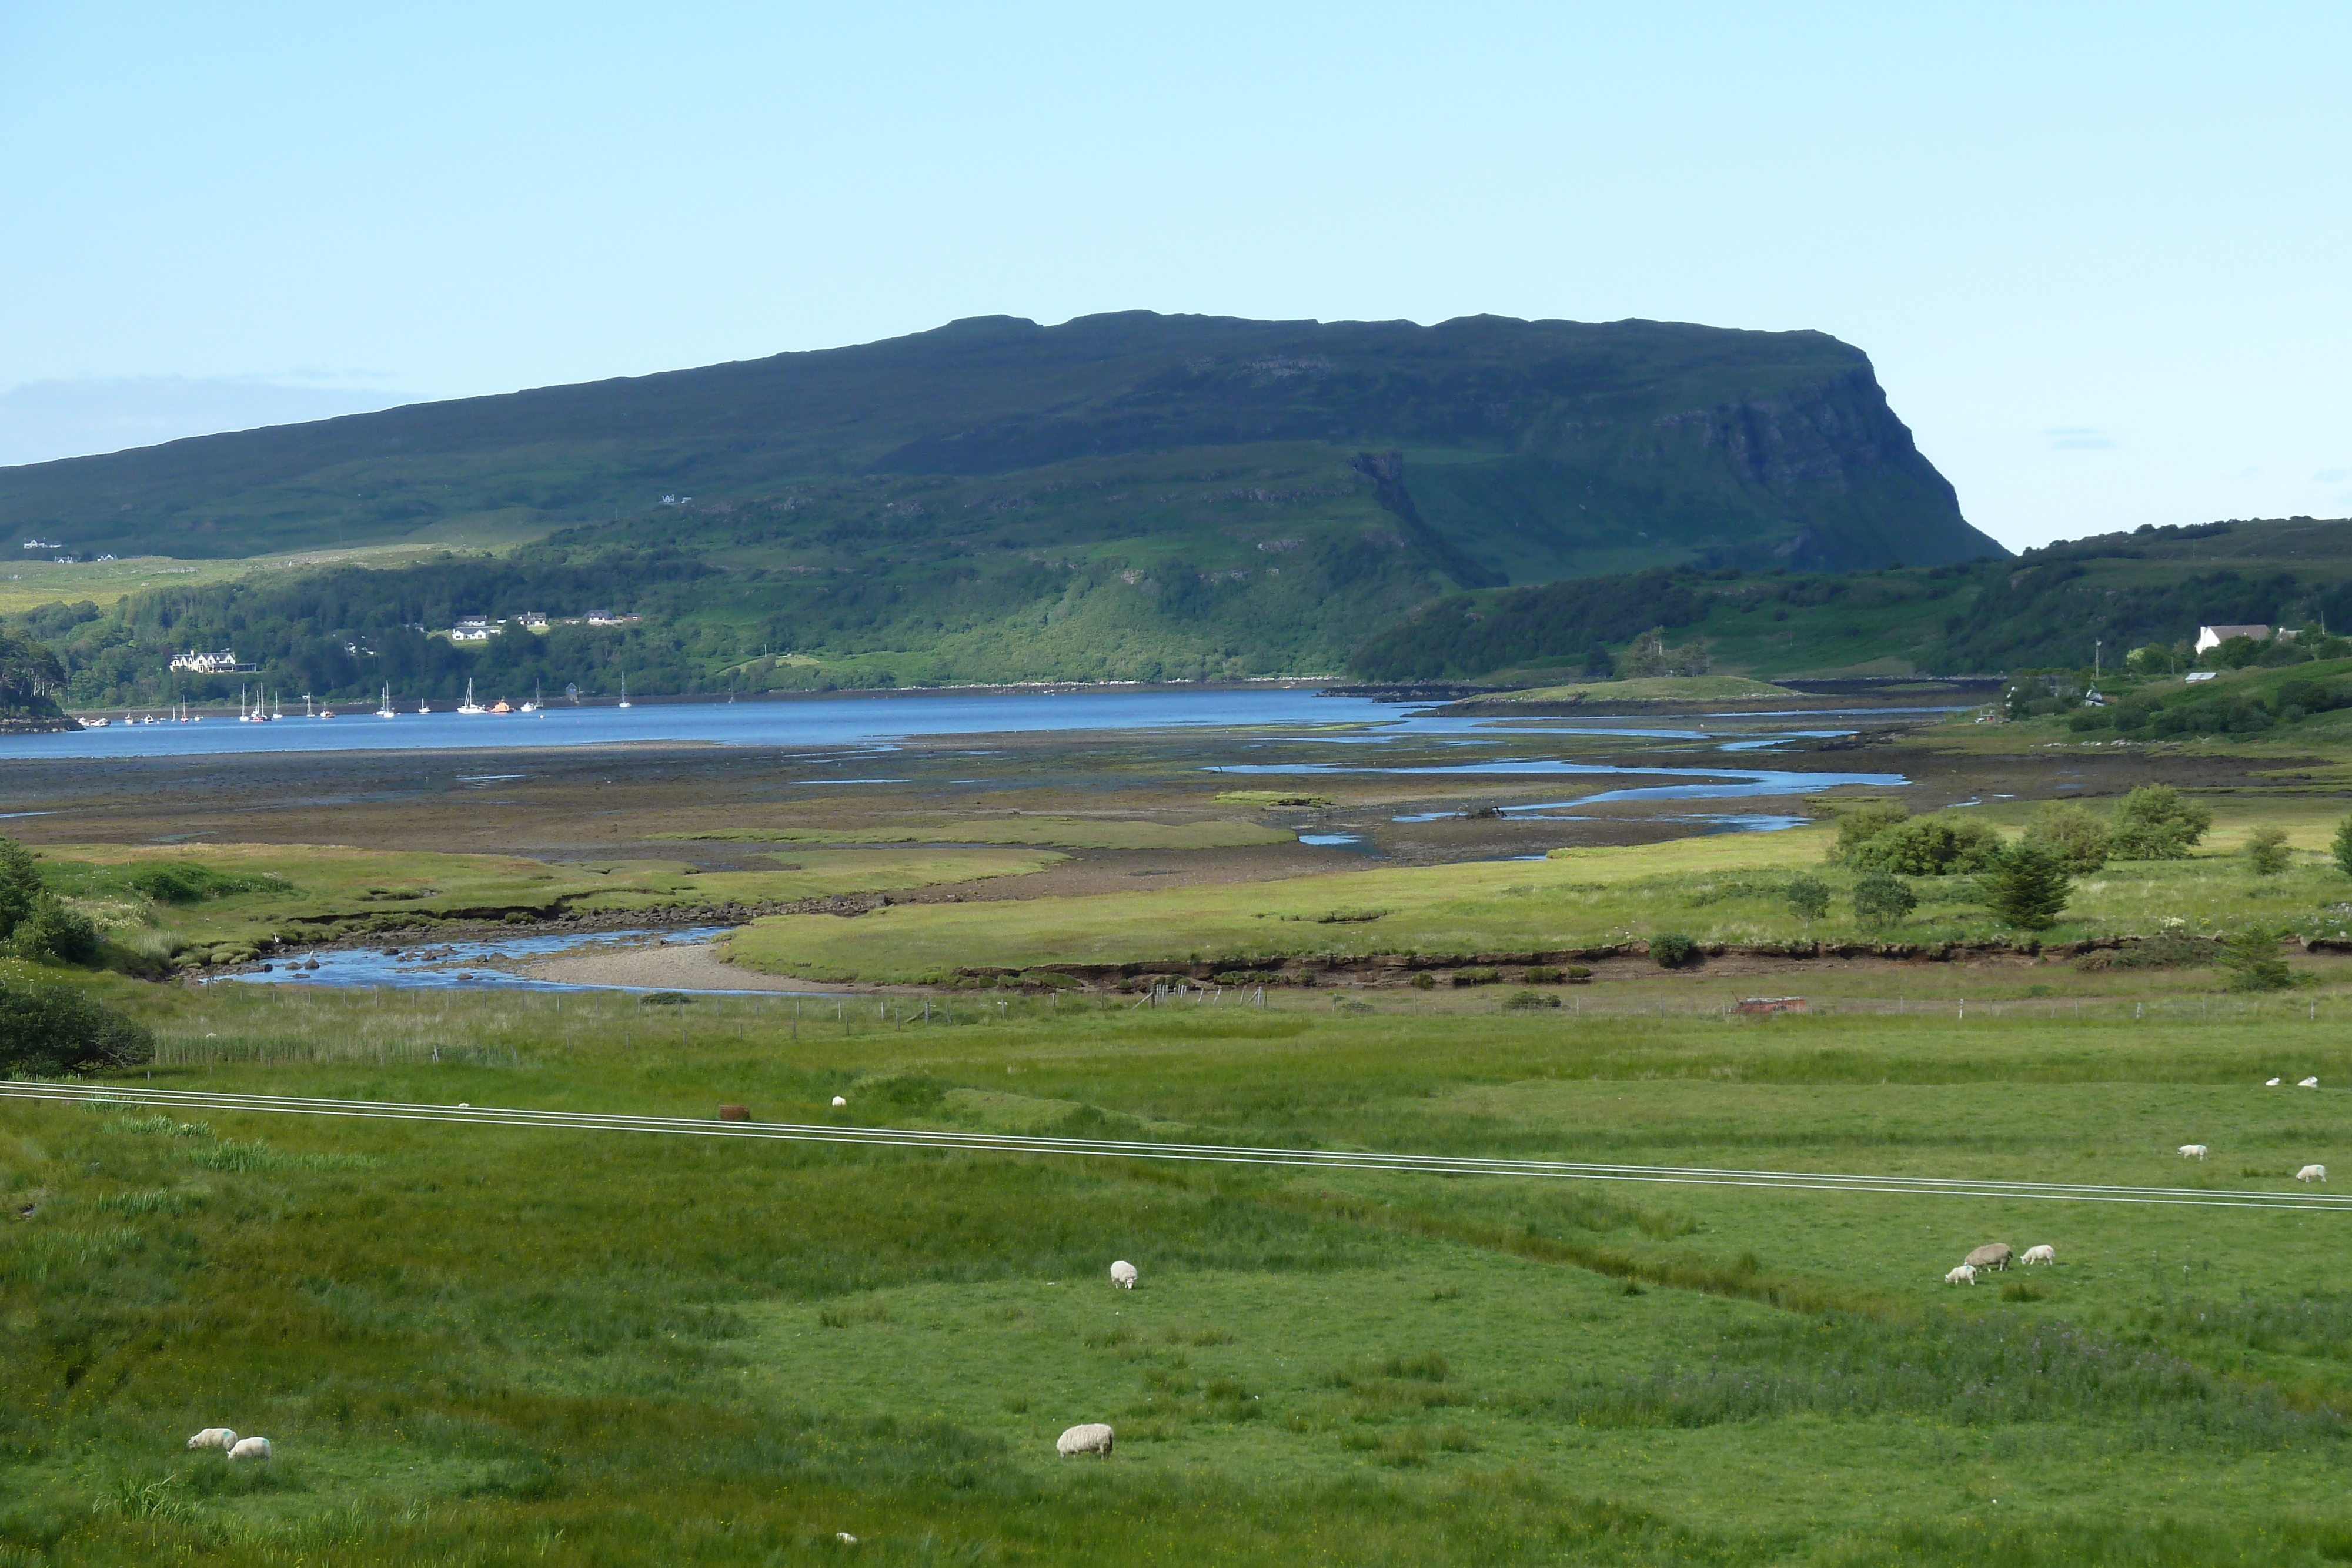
[2209, 637]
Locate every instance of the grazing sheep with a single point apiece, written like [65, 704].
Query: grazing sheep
[2307, 1083]
[2312, 1173]
[2193, 1151]
[2270, 1083]
[250, 1449]
[213, 1438]
[839, 1104]
[1963, 1275]
[845, 1537]
[1094, 1438]
[1991, 1255]
[1123, 1274]
[2045, 1253]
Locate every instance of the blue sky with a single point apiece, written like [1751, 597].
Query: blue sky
[2098, 253]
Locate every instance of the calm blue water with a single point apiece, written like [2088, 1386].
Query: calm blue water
[830, 723]
[470, 965]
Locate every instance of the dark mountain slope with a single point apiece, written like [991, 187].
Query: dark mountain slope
[1531, 450]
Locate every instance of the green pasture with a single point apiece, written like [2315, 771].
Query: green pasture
[1066, 833]
[249, 893]
[478, 1344]
[1724, 888]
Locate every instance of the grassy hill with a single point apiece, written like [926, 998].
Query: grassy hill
[2045, 609]
[1536, 448]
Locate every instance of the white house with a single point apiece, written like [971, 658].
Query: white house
[196, 663]
[476, 629]
[2214, 636]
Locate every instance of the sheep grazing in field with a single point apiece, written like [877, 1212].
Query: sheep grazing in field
[250, 1449]
[2307, 1083]
[2271, 1083]
[1094, 1438]
[1991, 1255]
[845, 1537]
[1123, 1274]
[2312, 1173]
[2045, 1253]
[2193, 1151]
[213, 1438]
[839, 1104]
[1962, 1275]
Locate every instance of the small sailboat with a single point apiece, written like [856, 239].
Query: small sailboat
[424, 707]
[624, 688]
[278, 708]
[242, 715]
[532, 706]
[383, 708]
[469, 705]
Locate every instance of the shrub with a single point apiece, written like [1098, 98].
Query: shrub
[1865, 822]
[2078, 839]
[57, 1029]
[2266, 849]
[1808, 896]
[1540, 975]
[1673, 950]
[1519, 999]
[1476, 976]
[1882, 898]
[53, 930]
[1931, 846]
[2342, 847]
[20, 886]
[2251, 957]
[2028, 887]
[2156, 824]
[663, 999]
[1425, 981]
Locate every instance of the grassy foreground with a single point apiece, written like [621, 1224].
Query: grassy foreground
[493, 1345]
[1723, 888]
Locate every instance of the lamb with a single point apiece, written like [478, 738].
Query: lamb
[214, 1437]
[1092, 1438]
[2312, 1173]
[2045, 1253]
[2270, 1083]
[1991, 1255]
[2193, 1151]
[250, 1449]
[2307, 1083]
[1962, 1275]
[839, 1104]
[1123, 1274]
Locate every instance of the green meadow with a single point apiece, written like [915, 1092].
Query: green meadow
[1725, 888]
[477, 1345]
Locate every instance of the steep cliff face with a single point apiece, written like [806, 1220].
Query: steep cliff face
[1531, 449]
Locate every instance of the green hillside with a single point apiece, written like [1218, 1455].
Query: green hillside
[2046, 609]
[1530, 449]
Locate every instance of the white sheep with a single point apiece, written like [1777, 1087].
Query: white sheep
[1123, 1274]
[2307, 1083]
[213, 1438]
[845, 1537]
[250, 1449]
[2270, 1083]
[2312, 1173]
[1092, 1438]
[839, 1104]
[2045, 1253]
[1963, 1275]
[2193, 1151]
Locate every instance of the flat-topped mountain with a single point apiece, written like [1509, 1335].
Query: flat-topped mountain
[1526, 450]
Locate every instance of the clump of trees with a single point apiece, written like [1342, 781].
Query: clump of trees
[2157, 823]
[54, 1029]
[34, 924]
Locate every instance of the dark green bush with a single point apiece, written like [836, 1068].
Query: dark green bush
[2156, 822]
[1882, 898]
[2252, 956]
[1808, 896]
[2078, 839]
[1673, 950]
[1931, 846]
[47, 1030]
[1540, 975]
[2266, 849]
[1864, 823]
[51, 931]
[2028, 887]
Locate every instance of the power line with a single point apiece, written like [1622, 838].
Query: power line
[955, 1141]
